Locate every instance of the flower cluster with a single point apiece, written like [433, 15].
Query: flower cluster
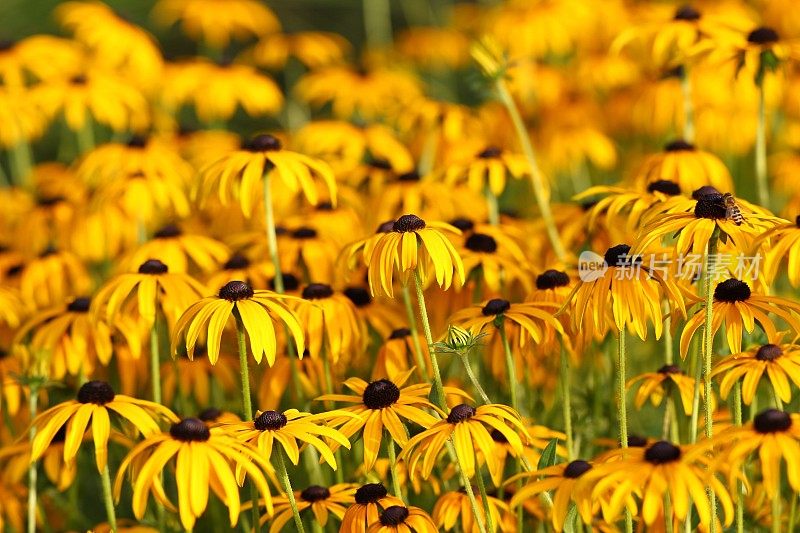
[261, 277]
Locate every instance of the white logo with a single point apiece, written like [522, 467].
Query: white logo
[591, 266]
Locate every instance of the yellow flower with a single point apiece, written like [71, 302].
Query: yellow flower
[414, 247]
[656, 386]
[204, 458]
[740, 308]
[380, 406]
[42, 56]
[434, 48]
[370, 500]
[452, 509]
[96, 96]
[496, 260]
[401, 519]
[303, 249]
[257, 310]
[256, 273]
[682, 163]
[95, 401]
[323, 501]
[216, 90]
[468, 427]
[379, 314]
[150, 289]
[488, 168]
[179, 251]
[53, 277]
[395, 355]
[314, 49]
[59, 472]
[196, 376]
[216, 22]
[240, 174]
[22, 119]
[781, 363]
[779, 243]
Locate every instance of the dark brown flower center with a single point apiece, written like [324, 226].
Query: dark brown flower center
[687, 12]
[233, 291]
[97, 392]
[495, 307]
[620, 256]
[50, 201]
[236, 262]
[797, 221]
[551, 279]
[153, 266]
[498, 436]
[679, 145]
[636, 441]
[270, 420]
[662, 452]
[80, 79]
[79, 305]
[210, 414]
[763, 35]
[190, 430]
[407, 223]
[670, 369]
[6, 44]
[262, 143]
[304, 233]
[317, 291]
[380, 394]
[315, 493]
[409, 176]
[137, 141]
[732, 290]
[400, 333]
[769, 352]
[359, 296]
[772, 421]
[290, 282]
[491, 152]
[385, 227]
[460, 413]
[480, 242]
[710, 203]
[381, 164]
[463, 224]
[576, 469]
[394, 515]
[370, 493]
[668, 187]
[167, 232]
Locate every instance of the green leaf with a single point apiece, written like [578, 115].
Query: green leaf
[548, 457]
[570, 519]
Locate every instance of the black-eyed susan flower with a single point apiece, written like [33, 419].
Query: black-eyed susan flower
[382, 406]
[314, 49]
[380, 314]
[60, 472]
[777, 244]
[53, 277]
[370, 501]
[182, 252]
[740, 308]
[683, 164]
[240, 174]
[40, 56]
[401, 519]
[323, 501]
[288, 429]
[304, 250]
[655, 386]
[662, 468]
[10, 387]
[539, 438]
[780, 363]
[329, 321]
[25, 120]
[199, 376]
[95, 401]
[490, 167]
[774, 435]
[496, 260]
[257, 310]
[217, 22]
[452, 509]
[563, 480]
[143, 293]
[205, 458]
[255, 273]
[215, 417]
[469, 429]
[414, 247]
[397, 354]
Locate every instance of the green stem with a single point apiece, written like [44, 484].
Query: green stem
[85, 137]
[761, 149]
[792, 513]
[491, 206]
[665, 426]
[470, 494]
[471, 375]
[107, 500]
[622, 409]
[412, 327]
[776, 508]
[32, 472]
[377, 22]
[566, 401]
[510, 364]
[393, 464]
[22, 163]
[668, 344]
[668, 518]
[155, 362]
[287, 487]
[708, 348]
[537, 181]
[426, 326]
[688, 106]
[737, 421]
[428, 157]
[776, 399]
[247, 405]
[485, 501]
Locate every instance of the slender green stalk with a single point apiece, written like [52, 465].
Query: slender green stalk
[328, 376]
[761, 149]
[33, 400]
[566, 402]
[85, 137]
[510, 365]
[485, 501]
[473, 503]
[412, 327]
[471, 375]
[688, 106]
[708, 348]
[622, 409]
[377, 22]
[737, 421]
[426, 326]
[398, 492]
[22, 163]
[540, 190]
[792, 513]
[776, 399]
[247, 405]
[668, 344]
[776, 508]
[665, 425]
[429, 149]
[668, 518]
[287, 487]
[155, 362]
[107, 500]
[491, 206]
